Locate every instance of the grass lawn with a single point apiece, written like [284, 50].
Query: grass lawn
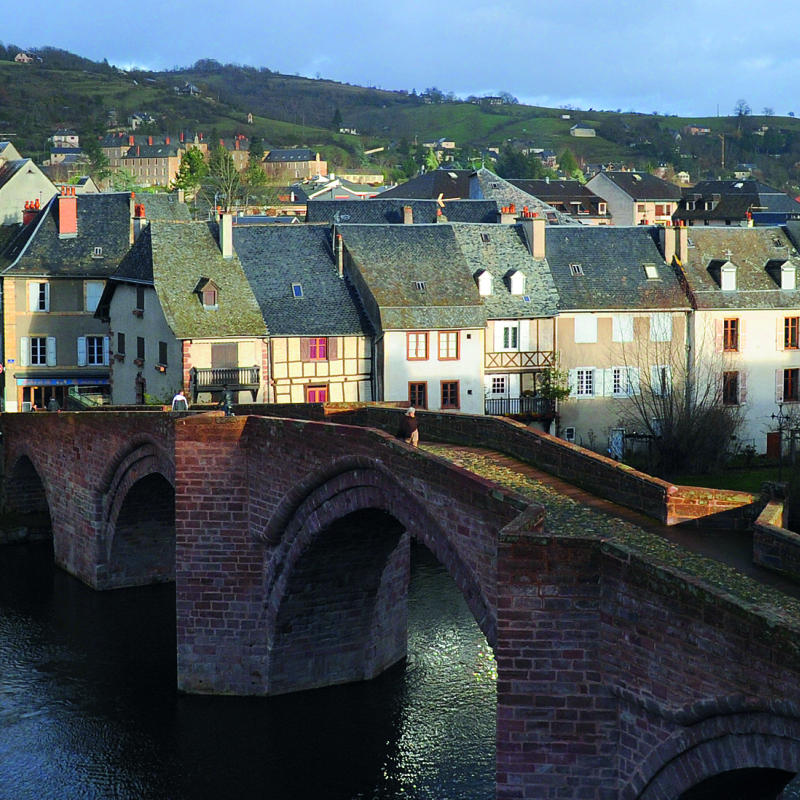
[744, 480]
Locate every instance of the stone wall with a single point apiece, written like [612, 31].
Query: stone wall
[774, 545]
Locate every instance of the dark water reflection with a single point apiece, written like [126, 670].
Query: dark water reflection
[88, 707]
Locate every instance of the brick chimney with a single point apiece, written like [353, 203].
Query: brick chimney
[182, 136]
[67, 213]
[166, 141]
[226, 235]
[236, 143]
[149, 140]
[408, 215]
[131, 140]
[30, 211]
[534, 229]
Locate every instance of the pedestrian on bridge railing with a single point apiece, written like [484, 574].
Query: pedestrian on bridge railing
[179, 402]
[226, 402]
[409, 428]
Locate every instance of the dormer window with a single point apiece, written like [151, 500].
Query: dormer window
[485, 281]
[601, 208]
[516, 282]
[651, 271]
[727, 278]
[788, 278]
[297, 291]
[208, 293]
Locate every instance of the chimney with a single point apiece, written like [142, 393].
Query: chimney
[67, 213]
[30, 211]
[667, 236]
[507, 216]
[339, 255]
[131, 141]
[534, 227]
[236, 143]
[166, 141]
[149, 140]
[182, 137]
[226, 235]
[138, 150]
[181, 196]
[682, 243]
[139, 218]
[408, 215]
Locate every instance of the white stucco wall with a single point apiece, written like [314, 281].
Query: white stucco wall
[399, 371]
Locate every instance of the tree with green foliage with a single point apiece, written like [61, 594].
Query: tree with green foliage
[96, 161]
[569, 165]
[256, 149]
[192, 171]
[336, 122]
[431, 160]
[123, 180]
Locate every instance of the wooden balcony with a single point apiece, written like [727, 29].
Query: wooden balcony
[533, 407]
[213, 379]
[514, 359]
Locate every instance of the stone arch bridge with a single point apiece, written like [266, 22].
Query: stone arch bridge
[621, 674]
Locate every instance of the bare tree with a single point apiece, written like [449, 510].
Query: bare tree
[689, 407]
[769, 111]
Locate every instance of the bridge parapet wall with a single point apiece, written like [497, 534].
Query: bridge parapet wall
[591, 471]
[252, 496]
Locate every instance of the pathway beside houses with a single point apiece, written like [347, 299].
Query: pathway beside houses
[724, 559]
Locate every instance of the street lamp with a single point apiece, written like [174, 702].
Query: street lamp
[781, 419]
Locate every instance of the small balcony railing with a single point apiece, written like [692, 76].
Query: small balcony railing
[520, 406]
[213, 379]
[516, 359]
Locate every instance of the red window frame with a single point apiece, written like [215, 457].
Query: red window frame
[317, 394]
[418, 394]
[730, 335]
[791, 385]
[318, 348]
[791, 333]
[446, 338]
[416, 337]
[730, 388]
[451, 395]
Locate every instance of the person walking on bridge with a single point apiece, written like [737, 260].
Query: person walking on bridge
[226, 401]
[409, 428]
[179, 402]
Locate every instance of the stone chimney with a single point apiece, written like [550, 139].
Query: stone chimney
[408, 215]
[674, 241]
[340, 254]
[508, 214]
[533, 227]
[67, 213]
[226, 235]
[139, 217]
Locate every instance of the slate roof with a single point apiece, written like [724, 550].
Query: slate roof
[505, 251]
[611, 260]
[11, 168]
[562, 195]
[276, 256]
[103, 221]
[450, 183]
[379, 210]
[488, 186]
[757, 258]
[391, 259]
[153, 151]
[158, 205]
[299, 154]
[174, 256]
[643, 185]
[733, 200]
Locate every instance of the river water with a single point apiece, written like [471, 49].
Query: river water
[89, 709]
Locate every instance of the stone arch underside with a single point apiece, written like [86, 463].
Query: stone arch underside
[755, 740]
[26, 494]
[139, 518]
[326, 559]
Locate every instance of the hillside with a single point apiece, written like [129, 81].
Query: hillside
[66, 90]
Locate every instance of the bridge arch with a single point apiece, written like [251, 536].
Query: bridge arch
[766, 740]
[26, 492]
[139, 515]
[321, 544]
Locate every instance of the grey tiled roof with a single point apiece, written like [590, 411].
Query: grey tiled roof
[276, 256]
[450, 183]
[488, 186]
[300, 154]
[733, 200]
[501, 249]
[381, 210]
[182, 254]
[153, 151]
[751, 250]
[644, 186]
[391, 260]
[611, 261]
[163, 206]
[103, 221]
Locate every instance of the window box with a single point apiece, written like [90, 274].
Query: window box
[138, 312]
[139, 362]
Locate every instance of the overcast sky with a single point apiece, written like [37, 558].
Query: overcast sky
[690, 58]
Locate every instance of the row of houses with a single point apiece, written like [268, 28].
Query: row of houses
[111, 298]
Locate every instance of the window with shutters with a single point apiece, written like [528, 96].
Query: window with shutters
[316, 394]
[450, 395]
[140, 348]
[730, 388]
[622, 327]
[94, 350]
[790, 330]
[318, 349]
[584, 382]
[417, 346]
[661, 327]
[622, 382]
[38, 350]
[39, 296]
[418, 394]
[508, 338]
[140, 298]
[660, 380]
[585, 330]
[224, 356]
[791, 385]
[730, 335]
[499, 384]
[162, 354]
[448, 345]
